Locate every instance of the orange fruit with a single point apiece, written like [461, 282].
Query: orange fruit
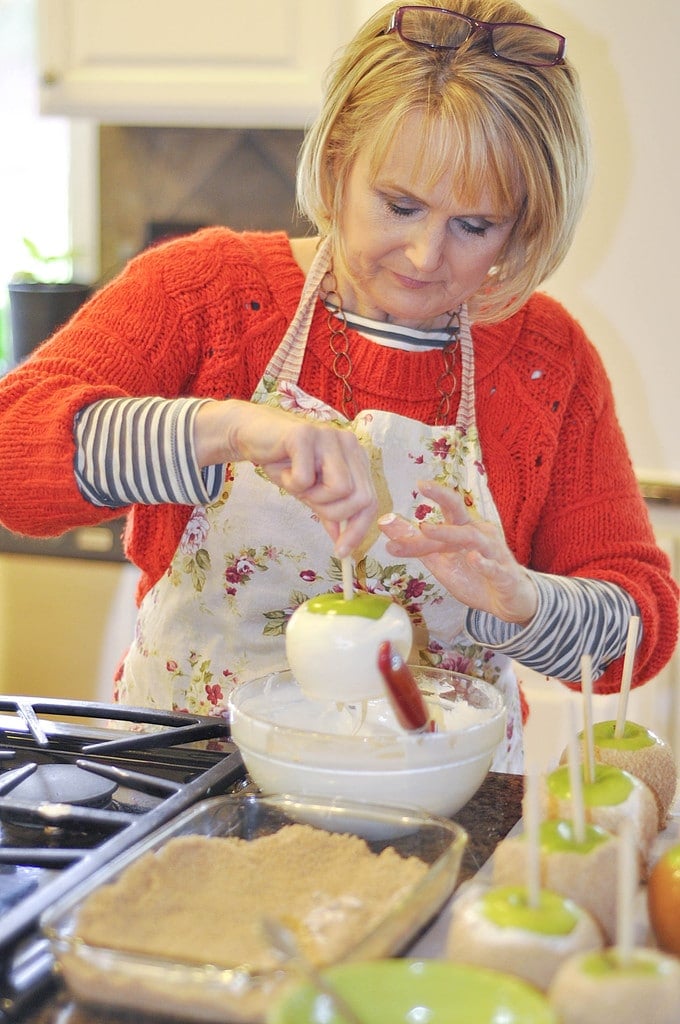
[663, 900]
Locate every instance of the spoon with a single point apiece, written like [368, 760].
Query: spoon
[285, 944]
[403, 691]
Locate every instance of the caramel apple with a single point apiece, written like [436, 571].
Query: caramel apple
[580, 870]
[599, 986]
[501, 930]
[663, 900]
[642, 753]
[407, 991]
[610, 797]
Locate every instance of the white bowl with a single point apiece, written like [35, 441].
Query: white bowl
[358, 752]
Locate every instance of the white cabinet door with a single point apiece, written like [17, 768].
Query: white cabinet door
[256, 63]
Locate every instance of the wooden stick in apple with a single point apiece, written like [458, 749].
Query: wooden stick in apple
[532, 826]
[588, 744]
[627, 984]
[627, 675]
[632, 747]
[609, 793]
[347, 571]
[578, 813]
[626, 887]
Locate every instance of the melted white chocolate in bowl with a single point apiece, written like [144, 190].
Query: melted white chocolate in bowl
[274, 716]
[356, 751]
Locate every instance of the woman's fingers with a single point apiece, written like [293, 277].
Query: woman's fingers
[468, 556]
[319, 463]
[329, 470]
[450, 501]
[405, 539]
[412, 541]
[323, 466]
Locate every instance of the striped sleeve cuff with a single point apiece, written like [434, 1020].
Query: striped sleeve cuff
[575, 616]
[141, 451]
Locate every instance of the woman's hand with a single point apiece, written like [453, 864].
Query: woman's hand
[468, 556]
[320, 464]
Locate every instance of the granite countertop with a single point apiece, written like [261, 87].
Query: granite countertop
[487, 818]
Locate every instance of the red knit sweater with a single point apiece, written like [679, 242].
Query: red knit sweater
[201, 316]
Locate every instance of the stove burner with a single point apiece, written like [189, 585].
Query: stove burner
[63, 784]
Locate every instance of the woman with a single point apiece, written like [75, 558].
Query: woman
[247, 396]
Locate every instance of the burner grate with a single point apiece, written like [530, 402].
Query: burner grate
[143, 767]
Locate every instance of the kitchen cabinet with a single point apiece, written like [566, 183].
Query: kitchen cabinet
[67, 612]
[211, 62]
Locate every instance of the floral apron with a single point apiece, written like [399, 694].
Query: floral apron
[244, 563]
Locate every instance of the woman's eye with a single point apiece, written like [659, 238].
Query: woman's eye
[401, 210]
[472, 228]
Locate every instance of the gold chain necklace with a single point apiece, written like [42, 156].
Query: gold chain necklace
[339, 342]
[342, 361]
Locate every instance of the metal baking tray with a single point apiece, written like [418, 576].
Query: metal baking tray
[194, 991]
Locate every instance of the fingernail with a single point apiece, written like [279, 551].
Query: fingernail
[388, 518]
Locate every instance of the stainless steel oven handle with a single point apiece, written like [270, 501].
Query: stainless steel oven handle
[25, 709]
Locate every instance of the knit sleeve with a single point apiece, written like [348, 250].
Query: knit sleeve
[156, 331]
[578, 510]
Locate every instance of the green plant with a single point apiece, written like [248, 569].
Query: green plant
[56, 269]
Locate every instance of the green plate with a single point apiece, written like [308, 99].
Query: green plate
[406, 991]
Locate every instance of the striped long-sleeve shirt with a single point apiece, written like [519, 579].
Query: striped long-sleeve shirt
[155, 463]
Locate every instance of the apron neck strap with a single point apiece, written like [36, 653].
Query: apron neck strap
[466, 408]
[286, 362]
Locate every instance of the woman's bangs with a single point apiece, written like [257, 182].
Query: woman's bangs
[480, 168]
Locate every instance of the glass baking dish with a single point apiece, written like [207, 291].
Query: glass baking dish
[194, 991]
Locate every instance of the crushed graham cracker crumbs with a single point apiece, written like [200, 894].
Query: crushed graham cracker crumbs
[201, 899]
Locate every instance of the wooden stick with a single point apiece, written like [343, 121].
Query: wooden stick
[347, 571]
[578, 814]
[588, 742]
[532, 827]
[626, 889]
[627, 675]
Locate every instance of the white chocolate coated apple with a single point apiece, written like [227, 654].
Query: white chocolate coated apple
[332, 644]
[528, 942]
[590, 988]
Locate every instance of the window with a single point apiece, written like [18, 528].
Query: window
[34, 161]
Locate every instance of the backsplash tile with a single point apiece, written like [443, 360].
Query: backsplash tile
[195, 176]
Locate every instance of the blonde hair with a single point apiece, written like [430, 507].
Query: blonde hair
[517, 134]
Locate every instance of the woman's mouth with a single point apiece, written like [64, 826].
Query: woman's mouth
[411, 283]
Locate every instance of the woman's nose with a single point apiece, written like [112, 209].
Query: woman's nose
[425, 247]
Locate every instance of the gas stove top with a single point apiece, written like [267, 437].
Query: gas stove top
[79, 783]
